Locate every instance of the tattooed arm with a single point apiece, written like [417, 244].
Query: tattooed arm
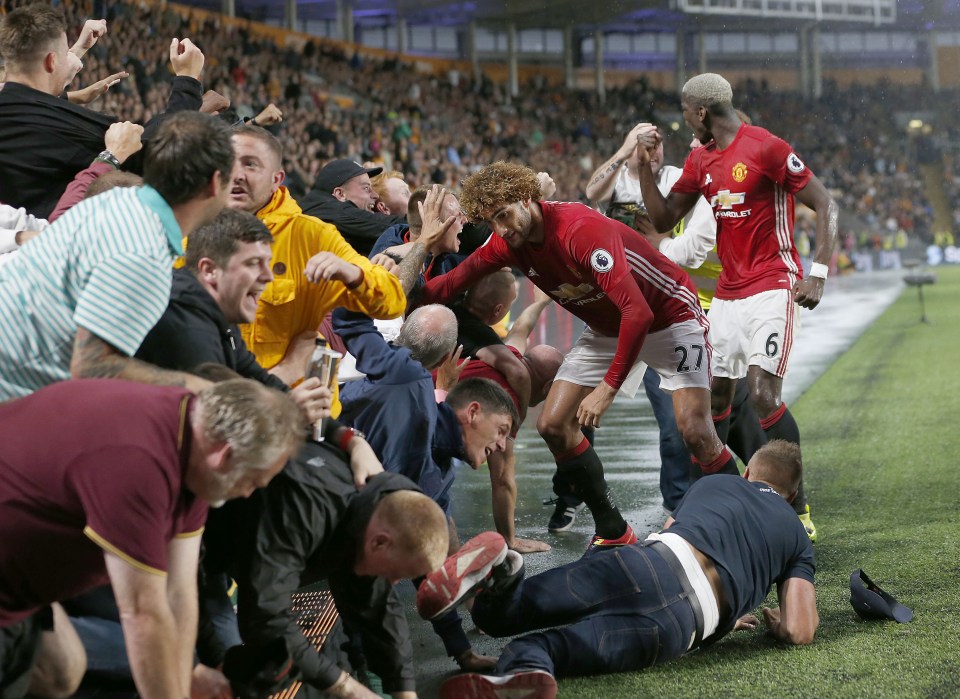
[600, 187]
[93, 358]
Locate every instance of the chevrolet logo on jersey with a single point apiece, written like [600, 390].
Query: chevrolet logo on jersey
[568, 292]
[725, 200]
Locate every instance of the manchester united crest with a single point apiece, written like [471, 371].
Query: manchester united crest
[739, 172]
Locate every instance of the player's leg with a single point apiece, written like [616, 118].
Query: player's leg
[746, 435]
[692, 408]
[722, 390]
[773, 320]
[728, 361]
[579, 470]
[680, 353]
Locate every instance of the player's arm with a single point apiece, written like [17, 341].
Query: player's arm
[808, 291]
[150, 630]
[490, 257]
[664, 212]
[795, 620]
[635, 320]
[503, 497]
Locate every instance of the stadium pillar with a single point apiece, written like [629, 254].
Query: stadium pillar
[569, 79]
[401, 35]
[701, 51]
[680, 72]
[933, 68]
[816, 72]
[513, 82]
[290, 16]
[803, 37]
[345, 20]
[598, 64]
[229, 8]
[472, 49]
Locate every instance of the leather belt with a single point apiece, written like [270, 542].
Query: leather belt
[671, 558]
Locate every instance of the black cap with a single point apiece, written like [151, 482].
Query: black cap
[336, 172]
[870, 602]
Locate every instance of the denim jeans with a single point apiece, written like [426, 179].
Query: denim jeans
[617, 611]
[674, 457]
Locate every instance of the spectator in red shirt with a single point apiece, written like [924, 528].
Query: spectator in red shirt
[108, 480]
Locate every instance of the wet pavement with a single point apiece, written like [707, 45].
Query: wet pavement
[627, 444]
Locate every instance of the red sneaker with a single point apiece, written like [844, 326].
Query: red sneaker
[463, 574]
[598, 543]
[530, 684]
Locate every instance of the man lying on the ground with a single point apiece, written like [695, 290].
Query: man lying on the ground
[729, 540]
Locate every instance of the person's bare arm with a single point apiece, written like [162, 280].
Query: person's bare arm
[293, 366]
[92, 30]
[95, 91]
[808, 291]
[94, 358]
[600, 187]
[150, 630]
[433, 229]
[183, 555]
[527, 321]
[664, 212]
[408, 271]
[795, 621]
[503, 498]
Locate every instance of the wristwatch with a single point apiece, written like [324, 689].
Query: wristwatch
[108, 157]
[347, 436]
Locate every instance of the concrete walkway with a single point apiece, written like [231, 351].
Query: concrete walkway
[628, 445]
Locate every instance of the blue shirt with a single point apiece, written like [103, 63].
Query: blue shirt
[752, 534]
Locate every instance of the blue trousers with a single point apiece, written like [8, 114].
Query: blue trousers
[674, 457]
[617, 611]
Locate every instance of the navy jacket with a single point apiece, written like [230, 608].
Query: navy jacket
[394, 405]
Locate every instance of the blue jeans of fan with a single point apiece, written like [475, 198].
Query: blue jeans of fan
[674, 457]
[617, 611]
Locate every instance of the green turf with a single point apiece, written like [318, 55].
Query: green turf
[880, 439]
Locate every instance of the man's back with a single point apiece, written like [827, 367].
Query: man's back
[305, 526]
[105, 265]
[89, 466]
[752, 534]
[44, 142]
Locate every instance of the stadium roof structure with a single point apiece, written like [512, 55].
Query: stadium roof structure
[624, 15]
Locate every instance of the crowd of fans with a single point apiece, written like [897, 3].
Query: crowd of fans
[437, 129]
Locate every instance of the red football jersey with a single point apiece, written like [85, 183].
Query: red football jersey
[750, 185]
[602, 271]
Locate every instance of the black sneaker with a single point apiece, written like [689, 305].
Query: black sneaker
[564, 515]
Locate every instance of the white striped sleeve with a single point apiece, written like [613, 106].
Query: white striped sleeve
[124, 297]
